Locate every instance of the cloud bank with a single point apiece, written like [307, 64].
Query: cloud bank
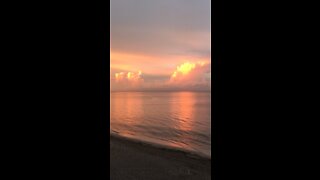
[186, 77]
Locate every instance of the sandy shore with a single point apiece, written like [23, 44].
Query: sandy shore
[131, 160]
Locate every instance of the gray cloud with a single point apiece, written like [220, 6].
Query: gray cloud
[160, 26]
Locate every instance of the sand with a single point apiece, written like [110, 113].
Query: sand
[130, 160]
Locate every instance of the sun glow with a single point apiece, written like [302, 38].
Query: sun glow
[186, 68]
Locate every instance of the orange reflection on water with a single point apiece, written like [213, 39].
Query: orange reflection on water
[183, 112]
[166, 118]
[126, 110]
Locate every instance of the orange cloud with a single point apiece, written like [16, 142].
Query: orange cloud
[129, 78]
[186, 76]
[191, 73]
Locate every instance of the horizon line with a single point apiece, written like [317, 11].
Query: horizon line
[162, 91]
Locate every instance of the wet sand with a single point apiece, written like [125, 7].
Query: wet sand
[130, 160]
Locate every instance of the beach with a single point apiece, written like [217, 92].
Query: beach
[130, 160]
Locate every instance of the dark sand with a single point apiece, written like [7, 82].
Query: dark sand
[130, 160]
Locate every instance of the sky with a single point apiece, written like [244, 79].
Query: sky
[160, 45]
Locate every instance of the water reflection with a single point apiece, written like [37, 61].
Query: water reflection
[180, 119]
[126, 110]
[184, 111]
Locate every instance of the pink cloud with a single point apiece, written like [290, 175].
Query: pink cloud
[190, 74]
[187, 76]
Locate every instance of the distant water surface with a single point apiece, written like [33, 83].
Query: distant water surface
[174, 119]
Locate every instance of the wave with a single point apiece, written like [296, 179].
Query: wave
[187, 152]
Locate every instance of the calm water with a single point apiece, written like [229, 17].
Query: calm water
[175, 119]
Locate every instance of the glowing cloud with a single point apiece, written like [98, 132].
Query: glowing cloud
[185, 68]
[191, 74]
[129, 78]
[187, 76]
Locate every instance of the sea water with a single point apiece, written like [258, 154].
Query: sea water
[173, 119]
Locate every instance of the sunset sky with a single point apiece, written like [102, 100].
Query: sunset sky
[160, 45]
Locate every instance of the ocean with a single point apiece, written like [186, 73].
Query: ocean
[180, 120]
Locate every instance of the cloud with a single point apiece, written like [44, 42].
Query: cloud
[191, 74]
[127, 80]
[157, 37]
[161, 28]
[186, 76]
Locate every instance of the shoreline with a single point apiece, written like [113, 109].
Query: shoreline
[133, 159]
[189, 153]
